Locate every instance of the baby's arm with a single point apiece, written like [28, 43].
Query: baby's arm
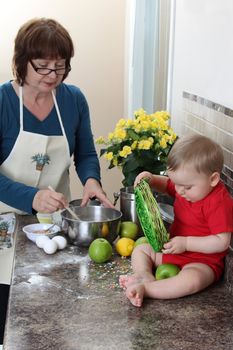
[157, 182]
[209, 244]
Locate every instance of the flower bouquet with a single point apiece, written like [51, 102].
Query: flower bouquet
[139, 144]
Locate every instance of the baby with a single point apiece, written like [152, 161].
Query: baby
[202, 227]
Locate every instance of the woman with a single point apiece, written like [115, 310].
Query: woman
[43, 123]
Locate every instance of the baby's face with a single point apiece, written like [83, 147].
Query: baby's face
[190, 184]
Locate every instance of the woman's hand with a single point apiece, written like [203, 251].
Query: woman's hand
[176, 245]
[92, 189]
[144, 175]
[47, 201]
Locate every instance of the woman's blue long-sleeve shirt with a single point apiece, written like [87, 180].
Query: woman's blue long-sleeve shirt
[76, 121]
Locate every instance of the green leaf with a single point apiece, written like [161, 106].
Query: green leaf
[102, 151]
[130, 163]
[133, 135]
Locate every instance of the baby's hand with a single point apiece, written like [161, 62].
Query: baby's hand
[143, 175]
[176, 245]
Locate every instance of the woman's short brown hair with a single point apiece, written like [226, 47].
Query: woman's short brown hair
[40, 38]
[205, 155]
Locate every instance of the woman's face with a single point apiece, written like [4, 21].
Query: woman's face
[190, 184]
[40, 78]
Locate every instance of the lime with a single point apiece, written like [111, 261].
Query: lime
[100, 250]
[129, 229]
[124, 246]
[141, 240]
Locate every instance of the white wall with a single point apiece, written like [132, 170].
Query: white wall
[203, 53]
[98, 31]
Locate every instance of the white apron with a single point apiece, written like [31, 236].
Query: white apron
[38, 160]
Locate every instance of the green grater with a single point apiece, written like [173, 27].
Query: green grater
[149, 216]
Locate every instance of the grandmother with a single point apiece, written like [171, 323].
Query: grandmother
[43, 123]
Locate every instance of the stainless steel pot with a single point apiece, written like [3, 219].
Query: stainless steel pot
[127, 205]
[96, 222]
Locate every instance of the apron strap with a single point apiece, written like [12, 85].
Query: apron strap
[21, 107]
[58, 114]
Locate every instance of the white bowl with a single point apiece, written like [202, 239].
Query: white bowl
[35, 230]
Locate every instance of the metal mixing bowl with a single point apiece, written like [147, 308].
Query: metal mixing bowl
[95, 222]
[77, 202]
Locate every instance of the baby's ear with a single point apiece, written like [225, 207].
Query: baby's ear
[214, 179]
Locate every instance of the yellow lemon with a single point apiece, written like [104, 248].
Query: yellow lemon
[124, 246]
[105, 230]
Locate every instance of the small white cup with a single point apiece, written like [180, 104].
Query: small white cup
[44, 218]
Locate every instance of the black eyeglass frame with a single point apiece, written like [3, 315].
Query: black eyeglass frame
[50, 70]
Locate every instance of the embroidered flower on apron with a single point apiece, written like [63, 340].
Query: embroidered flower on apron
[41, 160]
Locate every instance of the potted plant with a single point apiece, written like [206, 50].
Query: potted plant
[139, 144]
[4, 226]
[41, 160]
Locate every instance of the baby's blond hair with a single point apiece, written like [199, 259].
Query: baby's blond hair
[199, 151]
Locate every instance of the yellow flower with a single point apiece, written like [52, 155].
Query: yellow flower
[110, 136]
[115, 162]
[163, 143]
[144, 144]
[108, 156]
[134, 145]
[121, 123]
[140, 112]
[100, 140]
[125, 151]
[120, 134]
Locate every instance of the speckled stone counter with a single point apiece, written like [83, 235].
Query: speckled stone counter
[66, 302]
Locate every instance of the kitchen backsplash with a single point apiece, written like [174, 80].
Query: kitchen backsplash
[215, 121]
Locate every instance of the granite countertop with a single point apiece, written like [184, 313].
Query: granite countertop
[65, 301]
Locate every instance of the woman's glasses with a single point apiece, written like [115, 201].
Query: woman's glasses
[47, 71]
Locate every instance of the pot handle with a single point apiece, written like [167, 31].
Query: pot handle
[116, 197]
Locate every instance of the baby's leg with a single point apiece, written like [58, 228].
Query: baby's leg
[143, 261]
[191, 279]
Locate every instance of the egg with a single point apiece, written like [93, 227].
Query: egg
[50, 247]
[61, 241]
[40, 241]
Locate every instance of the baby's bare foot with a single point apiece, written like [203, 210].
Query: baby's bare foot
[135, 294]
[126, 280]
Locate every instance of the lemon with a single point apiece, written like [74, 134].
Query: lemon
[124, 246]
[105, 230]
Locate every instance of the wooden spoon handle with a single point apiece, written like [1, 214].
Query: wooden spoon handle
[75, 216]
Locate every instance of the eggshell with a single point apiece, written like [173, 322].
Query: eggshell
[50, 247]
[40, 241]
[61, 241]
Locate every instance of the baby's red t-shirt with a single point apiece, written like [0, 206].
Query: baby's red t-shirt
[209, 216]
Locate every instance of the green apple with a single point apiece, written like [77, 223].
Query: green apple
[141, 240]
[166, 270]
[100, 250]
[128, 229]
